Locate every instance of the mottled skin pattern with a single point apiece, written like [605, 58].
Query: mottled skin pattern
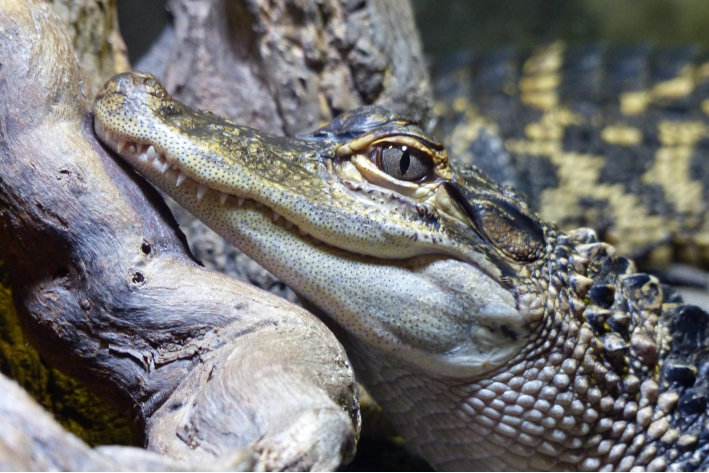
[612, 139]
[490, 338]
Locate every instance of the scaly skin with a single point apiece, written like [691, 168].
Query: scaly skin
[491, 339]
[616, 139]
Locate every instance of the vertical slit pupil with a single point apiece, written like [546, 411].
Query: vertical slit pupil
[405, 162]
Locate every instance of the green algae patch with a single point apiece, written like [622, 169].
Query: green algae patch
[76, 408]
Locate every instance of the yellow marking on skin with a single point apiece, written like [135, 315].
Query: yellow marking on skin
[544, 132]
[467, 131]
[534, 148]
[551, 126]
[440, 108]
[681, 133]
[540, 100]
[682, 85]
[545, 60]
[675, 88]
[541, 79]
[634, 103]
[671, 172]
[540, 83]
[622, 135]
[673, 162]
[579, 176]
[460, 104]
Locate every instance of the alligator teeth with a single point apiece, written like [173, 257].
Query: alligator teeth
[158, 163]
[180, 179]
[165, 167]
[131, 148]
[222, 197]
[120, 144]
[240, 201]
[201, 190]
[143, 157]
[151, 153]
[276, 217]
[289, 225]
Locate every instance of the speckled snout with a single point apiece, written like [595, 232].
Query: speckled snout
[130, 84]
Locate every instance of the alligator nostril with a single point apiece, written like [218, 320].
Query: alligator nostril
[124, 83]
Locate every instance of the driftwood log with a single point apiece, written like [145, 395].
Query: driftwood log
[108, 292]
[105, 285]
[93, 29]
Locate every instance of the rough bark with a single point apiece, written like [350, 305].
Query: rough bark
[92, 26]
[108, 292]
[287, 66]
[93, 30]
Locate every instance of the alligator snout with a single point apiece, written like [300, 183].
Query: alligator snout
[133, 83]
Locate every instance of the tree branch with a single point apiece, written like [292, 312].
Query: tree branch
[107, 290]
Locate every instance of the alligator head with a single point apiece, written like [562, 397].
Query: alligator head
[487, 335]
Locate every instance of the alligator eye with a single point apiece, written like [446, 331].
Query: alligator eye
[402, 162]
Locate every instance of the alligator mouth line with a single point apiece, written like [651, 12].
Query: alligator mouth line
[146, 154]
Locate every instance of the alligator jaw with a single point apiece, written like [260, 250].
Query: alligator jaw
[167, 173]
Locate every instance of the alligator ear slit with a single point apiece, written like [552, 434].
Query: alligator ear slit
[521, 239]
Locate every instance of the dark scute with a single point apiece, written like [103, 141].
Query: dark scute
[637, 281]
[619, 322]
[670, 296]
[597, 317]
[692, 402]
[627, 70]
[535, 174]
[582, 72]
[602, 296]
[689, 329]
[676, 371]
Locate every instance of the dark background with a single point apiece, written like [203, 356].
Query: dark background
[450, 25]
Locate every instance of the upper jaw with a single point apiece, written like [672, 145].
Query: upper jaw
[167, 172]
[368, 228]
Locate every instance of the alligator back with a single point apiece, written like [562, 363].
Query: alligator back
[656, 353]
[616, 140]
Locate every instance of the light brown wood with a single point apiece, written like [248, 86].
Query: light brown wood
[107, 291]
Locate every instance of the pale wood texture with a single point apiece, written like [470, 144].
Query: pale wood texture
[107, 290]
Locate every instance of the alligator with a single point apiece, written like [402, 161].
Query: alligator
[490, 338]
[612, 138]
